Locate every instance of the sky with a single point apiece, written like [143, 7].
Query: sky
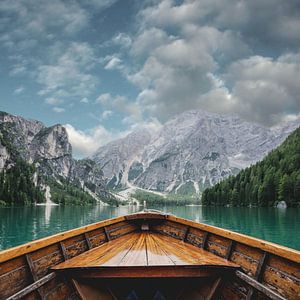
[103, 68]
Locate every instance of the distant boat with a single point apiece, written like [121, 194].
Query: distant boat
[149, 255]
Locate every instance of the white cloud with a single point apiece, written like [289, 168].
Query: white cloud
[113, 63]
[106, 114]
[104, 99]
[84, 100]
[122, 39]
[148, 40]
[19, 90]
[70, 72]
[85, 143]
[58, 109]
[17, 70]
[265, 89]
[53, 101]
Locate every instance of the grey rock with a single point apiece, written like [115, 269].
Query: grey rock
[49, 149]
[195, 146]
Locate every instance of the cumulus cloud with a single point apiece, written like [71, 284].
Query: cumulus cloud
[201, 54]
[53, 101]
[122, 39]
[279, 20]
[266, 89]
[58, 109]
[69, 72]
[106, 114]
[113, 63]
[84, 100]
[104, 99]
[85, 143]
[19, 90]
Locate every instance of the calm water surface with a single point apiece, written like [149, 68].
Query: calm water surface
[23, 224]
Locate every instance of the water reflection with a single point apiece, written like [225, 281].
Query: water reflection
[22, 224]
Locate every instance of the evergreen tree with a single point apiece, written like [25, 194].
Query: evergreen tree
[276, 178]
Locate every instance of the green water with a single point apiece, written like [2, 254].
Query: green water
[23, 224]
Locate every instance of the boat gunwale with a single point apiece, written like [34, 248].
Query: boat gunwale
[273, 248]
[282, 251]
[29, 247]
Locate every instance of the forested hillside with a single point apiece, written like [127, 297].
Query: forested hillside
[275, 178]
[17, 186]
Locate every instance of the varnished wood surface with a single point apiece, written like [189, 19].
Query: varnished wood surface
[276, 249]
[41, 243]
[169, 252]
[145, 249]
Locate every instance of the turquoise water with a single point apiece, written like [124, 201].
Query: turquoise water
[23, 224]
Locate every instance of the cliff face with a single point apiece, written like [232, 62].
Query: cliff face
[192, 151]
[48, 148]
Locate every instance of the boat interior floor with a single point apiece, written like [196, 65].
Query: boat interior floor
[144, 249]
[146, 265]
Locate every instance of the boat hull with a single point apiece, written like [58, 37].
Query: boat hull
[258, 269]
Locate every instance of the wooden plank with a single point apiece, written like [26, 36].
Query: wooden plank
[144, 272]
[259, 287]
[88, 242]
[137, 255]
[146, 215]
[285, 284]
[41, 243]
[31, 267]
[63, 250]
[12, 265]
[185, 254]
[284, 265]
[230, 249]
[155, 254]
[88, 292]
[186, 233]
[258, 274]
[261, 266]
[43, 264]
[32, 287]
[217, 245]
[14, 281]
[120, 231]
[106, 233]
[109, 253]
[132, 250]
[214, 290]
[33, 273]
[204, 240]
[282, 251]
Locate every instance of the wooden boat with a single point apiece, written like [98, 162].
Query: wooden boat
[149, 255]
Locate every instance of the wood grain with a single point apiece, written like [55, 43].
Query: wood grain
[41, 243]
[282, 251]
[145, 249]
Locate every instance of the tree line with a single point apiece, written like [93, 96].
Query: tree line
[17, 186]
[275, 178]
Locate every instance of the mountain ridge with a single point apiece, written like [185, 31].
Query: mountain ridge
[193, 150]
[48, 149]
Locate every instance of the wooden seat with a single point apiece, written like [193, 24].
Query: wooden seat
[145, 254]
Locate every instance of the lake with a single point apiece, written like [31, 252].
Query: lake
[23, 224]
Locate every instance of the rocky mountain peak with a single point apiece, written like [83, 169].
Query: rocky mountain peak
[195, 149]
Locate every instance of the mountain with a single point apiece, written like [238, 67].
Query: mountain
[117, 159]
[275, 178]
[30, 143]
[192, 151]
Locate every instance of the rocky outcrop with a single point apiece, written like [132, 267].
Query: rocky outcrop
[192, 151]
[48, 148]
[116, 158]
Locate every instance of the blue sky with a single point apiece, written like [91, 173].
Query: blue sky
[106, 67]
